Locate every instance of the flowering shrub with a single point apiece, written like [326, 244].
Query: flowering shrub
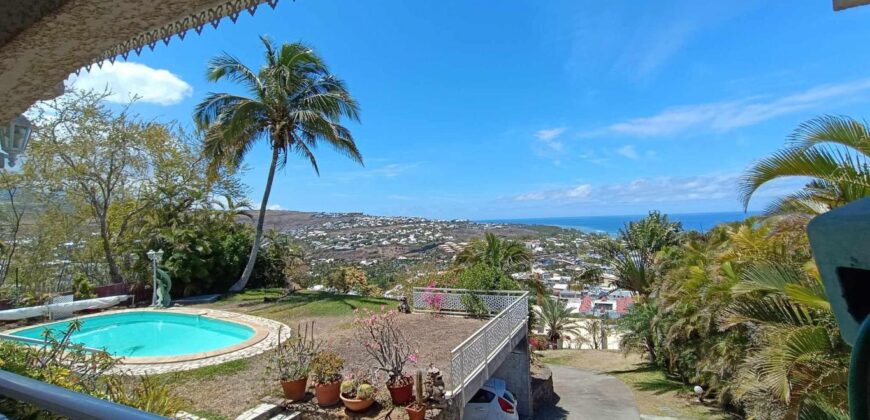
[385, 343]
[433, 300]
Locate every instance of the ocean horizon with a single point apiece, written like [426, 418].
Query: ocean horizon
[611, 224]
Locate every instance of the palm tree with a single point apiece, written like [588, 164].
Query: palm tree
[294, 104]
[501, 254]
[557, 320]
[634, 255]
[800, 360]
[832, 151]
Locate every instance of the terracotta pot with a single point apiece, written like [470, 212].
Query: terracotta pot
[415, 413]
[357, 406]
[327, 394]
[402, 394]
[294, 390]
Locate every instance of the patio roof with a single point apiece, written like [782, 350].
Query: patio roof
[43, 41]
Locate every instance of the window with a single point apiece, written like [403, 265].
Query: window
[482, 396]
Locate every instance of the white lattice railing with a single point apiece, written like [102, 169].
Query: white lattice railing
[509, 311]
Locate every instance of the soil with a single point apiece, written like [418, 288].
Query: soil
[228, 394]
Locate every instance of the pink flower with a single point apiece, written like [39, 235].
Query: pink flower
[412, 358]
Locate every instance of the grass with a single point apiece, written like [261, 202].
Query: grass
[222, 369]
[655, 393]
[304, 304]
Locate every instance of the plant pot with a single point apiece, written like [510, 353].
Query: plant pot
[402, 394]
[415, 413]
[294, 390]
[327, 394]
[357, 406]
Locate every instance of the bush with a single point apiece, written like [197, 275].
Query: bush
[484, 277]
[474, 305]
[82, 288]
[326, 367]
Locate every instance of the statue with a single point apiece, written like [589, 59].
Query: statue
[164, 285]
[403, 307]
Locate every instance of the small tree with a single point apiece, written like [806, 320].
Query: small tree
[386, 345]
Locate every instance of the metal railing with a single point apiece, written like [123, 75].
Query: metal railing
[509, 311]
[64, 402]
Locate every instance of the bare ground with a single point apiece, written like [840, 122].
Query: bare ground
[227, 390]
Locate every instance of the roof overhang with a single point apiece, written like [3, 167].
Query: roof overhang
[43, 41]
[845, 4]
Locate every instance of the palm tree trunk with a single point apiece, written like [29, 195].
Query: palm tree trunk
[258, 236]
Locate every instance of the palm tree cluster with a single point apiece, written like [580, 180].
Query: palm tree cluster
[741, 310]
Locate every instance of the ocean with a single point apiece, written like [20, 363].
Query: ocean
[611, 224]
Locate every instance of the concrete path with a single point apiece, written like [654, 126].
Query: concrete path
[587, 395]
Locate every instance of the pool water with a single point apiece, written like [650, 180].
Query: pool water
[148, 334]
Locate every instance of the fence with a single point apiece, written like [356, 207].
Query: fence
[509, 313]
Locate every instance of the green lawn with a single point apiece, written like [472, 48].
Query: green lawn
[303, 304]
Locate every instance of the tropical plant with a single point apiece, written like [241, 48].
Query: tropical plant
[357, 388]
[635, 253]
[59, 361]
[501, 254]
[294, 104]
[557, 319]
[832, 151]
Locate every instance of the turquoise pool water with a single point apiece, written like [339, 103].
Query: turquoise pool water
[141, 334]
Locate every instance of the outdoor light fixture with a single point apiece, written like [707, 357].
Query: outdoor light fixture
[155, 257]
[13, 140]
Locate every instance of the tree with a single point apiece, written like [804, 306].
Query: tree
[501, 254]
[98, 160]
[347, 279]
[832, 151]
[634, 255]
[294, 104]
[557, 320]
[12, 214]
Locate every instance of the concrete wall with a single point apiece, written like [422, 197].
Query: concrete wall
[516, 372]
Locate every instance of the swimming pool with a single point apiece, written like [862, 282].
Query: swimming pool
[151, 334]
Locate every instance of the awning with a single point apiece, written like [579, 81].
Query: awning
[43, 41]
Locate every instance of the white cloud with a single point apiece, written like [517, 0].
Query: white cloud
[275, 207]
[548, 137]
[128, 80]
[575, 193]
[628, 151]
[725, 116]
[391, 170]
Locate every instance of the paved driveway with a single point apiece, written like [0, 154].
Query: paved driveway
[588, 395]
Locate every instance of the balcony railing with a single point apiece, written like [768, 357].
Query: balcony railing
[509, 312]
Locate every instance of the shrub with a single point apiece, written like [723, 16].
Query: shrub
[326, 367]
[385, 343]
[82, 288]
[60, 362]
[474, 305]
[433, 300]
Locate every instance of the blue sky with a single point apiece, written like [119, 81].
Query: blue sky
[496, 109]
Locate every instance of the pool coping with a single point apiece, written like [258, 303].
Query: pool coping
[266, 335]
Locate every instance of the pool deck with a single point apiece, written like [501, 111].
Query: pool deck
[266, 335]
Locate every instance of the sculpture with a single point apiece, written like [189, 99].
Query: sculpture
[164, 285]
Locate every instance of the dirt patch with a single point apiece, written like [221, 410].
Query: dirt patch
[229, 392]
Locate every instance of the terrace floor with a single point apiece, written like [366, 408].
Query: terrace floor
[226, 390]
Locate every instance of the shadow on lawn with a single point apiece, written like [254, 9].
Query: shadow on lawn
[300, 300]
[657, 386]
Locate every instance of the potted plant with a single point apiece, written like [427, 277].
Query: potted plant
[387, 346]
[357, 394]
[292, 359]
[417, 409]
[325, 372]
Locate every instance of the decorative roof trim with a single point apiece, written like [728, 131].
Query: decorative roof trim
[195, 21]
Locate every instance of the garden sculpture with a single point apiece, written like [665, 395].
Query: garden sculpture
[164, 284]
